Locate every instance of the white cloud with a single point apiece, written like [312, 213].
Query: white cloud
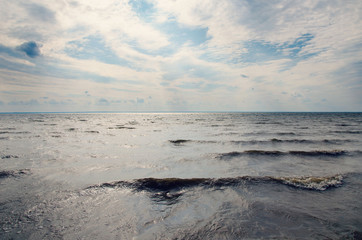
[15, 60]
[288, 75]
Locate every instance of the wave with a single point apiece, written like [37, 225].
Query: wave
[162, 186]
[296, 141]
[286, 133]
[332, 153]
[180, 142]
[312, 183]
[9, 156]
[6, 174]
[35, 120]
[259, 133]
[121, 127]
[349, 132]
[317, 153]
[7, 132]
[268, 122]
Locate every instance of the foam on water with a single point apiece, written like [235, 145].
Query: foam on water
[313, 183]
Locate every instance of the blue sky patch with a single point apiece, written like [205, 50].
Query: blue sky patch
[261, 51]
[180, 35]
[144, 9]
[93, 47]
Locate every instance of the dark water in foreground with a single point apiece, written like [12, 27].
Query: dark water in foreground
[181, 176]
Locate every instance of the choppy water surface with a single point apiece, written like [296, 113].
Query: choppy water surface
[181, 176]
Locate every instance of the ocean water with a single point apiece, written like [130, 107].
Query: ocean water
[181, 176]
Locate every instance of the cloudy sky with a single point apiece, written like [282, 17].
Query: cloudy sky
[180, 55]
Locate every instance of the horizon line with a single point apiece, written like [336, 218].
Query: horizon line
[94, 112]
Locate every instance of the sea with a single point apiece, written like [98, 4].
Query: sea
[181, 176]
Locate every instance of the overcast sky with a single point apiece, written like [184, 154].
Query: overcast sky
[180, 55]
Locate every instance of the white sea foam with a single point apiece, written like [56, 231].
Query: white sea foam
[313, 183]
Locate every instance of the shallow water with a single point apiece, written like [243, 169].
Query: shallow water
[181, 176]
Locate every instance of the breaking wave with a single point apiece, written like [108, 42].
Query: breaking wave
[162, 186]
[313, 183]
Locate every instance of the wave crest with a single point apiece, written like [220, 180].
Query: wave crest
[313, 183]
[166, 185]
[317, 153]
